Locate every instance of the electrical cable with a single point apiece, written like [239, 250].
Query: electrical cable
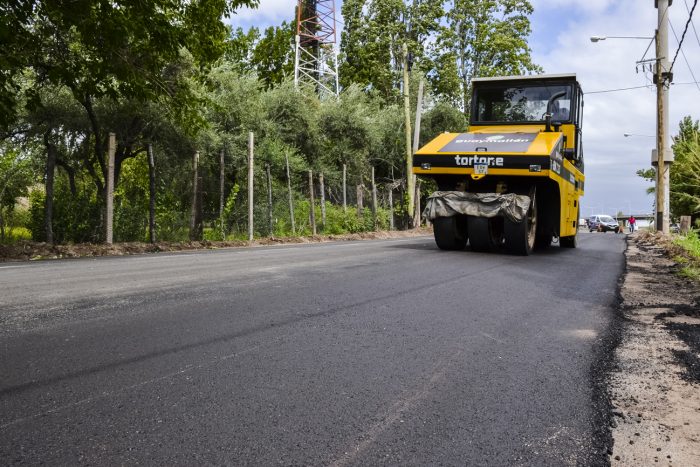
[618, 89]
[680, 44]
[691, 23]
[648, 86]
[684, 57]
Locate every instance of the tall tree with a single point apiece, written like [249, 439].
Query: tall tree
[685, 176]
[373, 37]
[483, 38]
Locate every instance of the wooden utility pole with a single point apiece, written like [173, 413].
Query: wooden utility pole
[222, 194]
[409, 153]
[374, 201]
[109, 218]
[151, 194]
[323, 200]
[251, 142]
[269, 200]
[312, 214]
[345, 189]
[291, 197]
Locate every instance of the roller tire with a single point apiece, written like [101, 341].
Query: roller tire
[450, 233]
[485, 234]
[520, 236]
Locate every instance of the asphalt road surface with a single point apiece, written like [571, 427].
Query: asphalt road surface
[362, 353]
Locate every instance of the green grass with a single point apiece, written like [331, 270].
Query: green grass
[690, 243]
[689, 257]
[16, 234]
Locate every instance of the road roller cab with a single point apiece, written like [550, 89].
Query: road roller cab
[514, 179]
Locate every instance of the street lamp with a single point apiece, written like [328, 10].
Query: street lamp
[662, 156]
[627, 135]
[602, 38]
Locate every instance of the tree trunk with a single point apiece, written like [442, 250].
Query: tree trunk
[48, 202]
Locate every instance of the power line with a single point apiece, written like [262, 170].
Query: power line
[691, 23]
[680, 44]
[648, 86]
[618, 89]
[684, 57]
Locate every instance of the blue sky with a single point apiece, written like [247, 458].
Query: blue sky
[560, 43]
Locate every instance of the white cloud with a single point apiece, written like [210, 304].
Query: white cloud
[269, 12]
[612, 159]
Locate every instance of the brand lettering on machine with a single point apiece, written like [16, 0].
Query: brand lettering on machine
[484, 160]
[492, 140]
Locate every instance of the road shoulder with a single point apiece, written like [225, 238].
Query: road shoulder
[653, 386]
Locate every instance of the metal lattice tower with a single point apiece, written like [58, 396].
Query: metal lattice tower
[315, 59]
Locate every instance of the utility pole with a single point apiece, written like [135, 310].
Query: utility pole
[663, 79]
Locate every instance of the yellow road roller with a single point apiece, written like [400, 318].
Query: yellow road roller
[513, 181]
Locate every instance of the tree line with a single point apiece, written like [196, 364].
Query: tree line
[173, 77]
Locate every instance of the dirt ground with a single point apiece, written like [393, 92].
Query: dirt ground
[31, 251]
[654, 384]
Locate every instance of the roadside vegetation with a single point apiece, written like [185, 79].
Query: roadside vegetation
[177, 79]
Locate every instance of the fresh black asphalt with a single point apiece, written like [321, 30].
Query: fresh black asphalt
[365, 353]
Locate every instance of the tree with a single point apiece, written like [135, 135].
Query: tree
[373, 37]
[486, 38]
[685, 172]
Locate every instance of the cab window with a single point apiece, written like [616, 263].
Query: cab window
[521, 104]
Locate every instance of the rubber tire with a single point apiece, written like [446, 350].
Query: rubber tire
[520, 236]
[450, 233]
[485, 234]
[542, 242]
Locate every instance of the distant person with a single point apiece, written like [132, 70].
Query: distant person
[633, 222]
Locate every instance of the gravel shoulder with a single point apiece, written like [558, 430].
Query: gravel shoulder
[32, 251]
[654, 382]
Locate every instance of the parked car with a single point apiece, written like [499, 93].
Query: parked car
[603, 223]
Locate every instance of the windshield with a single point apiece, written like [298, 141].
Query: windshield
[521, 103]
[606, 219]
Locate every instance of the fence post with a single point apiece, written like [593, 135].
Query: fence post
[111, 150]
[312, 214]
[151, 194]
[323, 200]
[359, 201]
[391, 207]
[269, 200]
[345, 189]
[374, 201]
[250, 185]
[193, 212]
[222, 195]
[291, 198]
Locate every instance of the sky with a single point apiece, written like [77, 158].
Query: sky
[560, 43]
